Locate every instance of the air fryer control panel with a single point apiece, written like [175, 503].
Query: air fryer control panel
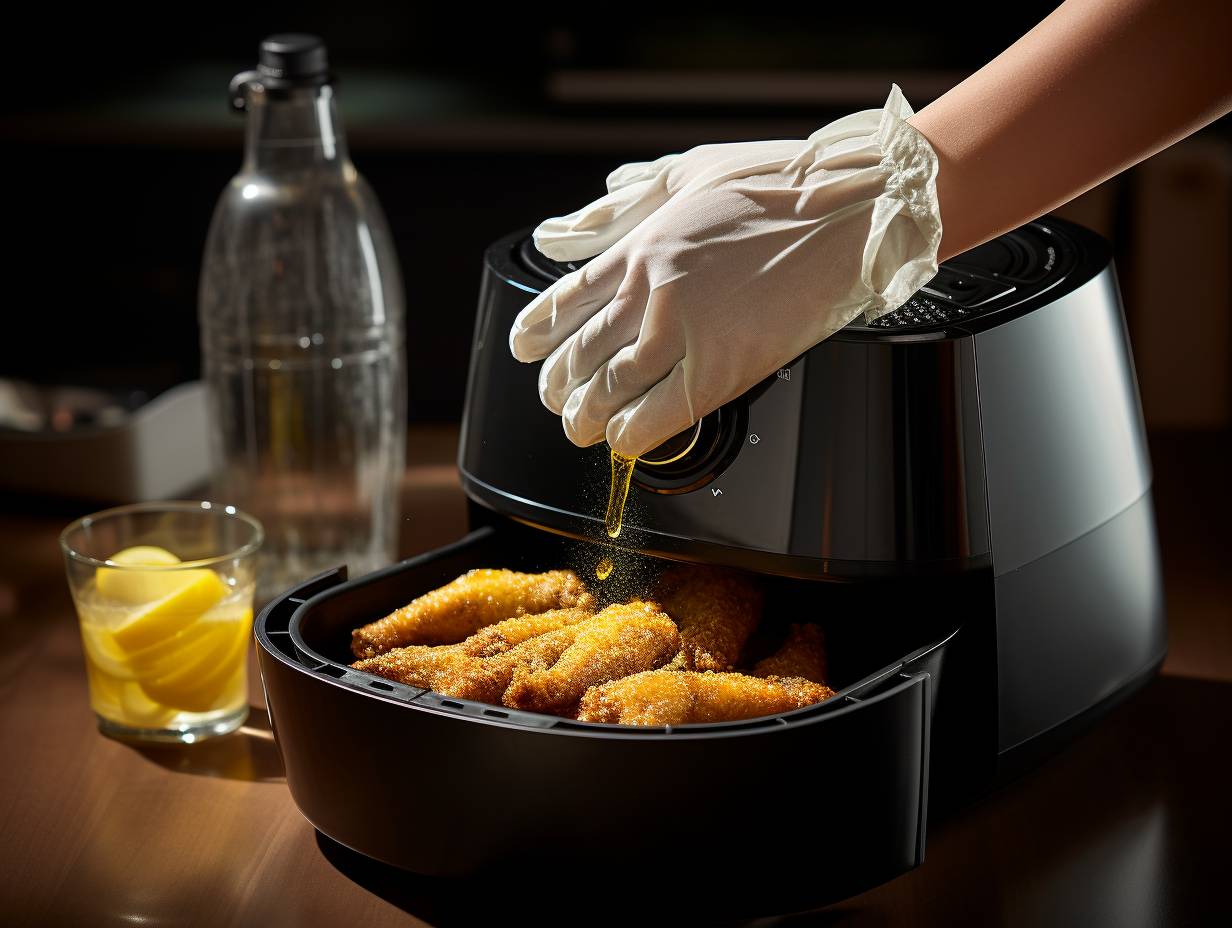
[859, 457]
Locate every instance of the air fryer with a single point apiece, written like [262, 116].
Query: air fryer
[959, 493]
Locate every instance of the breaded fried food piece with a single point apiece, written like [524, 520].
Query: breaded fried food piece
[446, 669]
[803, 654]
[681, 697]
[499, 638]
[473, 601]
[451, 671]
[716, 611]
[622, 639]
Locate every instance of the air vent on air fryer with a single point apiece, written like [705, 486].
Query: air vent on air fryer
[989, 277]
[919, 312]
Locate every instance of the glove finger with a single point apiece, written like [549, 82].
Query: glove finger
[593, 345]
[653, 418]
[637, 171]
[596, 227]
[561, 309]
[628, 375]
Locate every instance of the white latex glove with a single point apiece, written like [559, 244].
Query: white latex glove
[718, 266]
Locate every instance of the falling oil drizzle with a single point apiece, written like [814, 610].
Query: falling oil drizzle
[622, 474]
[603, 569]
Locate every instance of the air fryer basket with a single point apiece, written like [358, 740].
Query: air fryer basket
[801, 808]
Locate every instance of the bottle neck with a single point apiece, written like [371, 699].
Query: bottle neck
[294, 131]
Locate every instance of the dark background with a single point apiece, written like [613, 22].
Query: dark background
[468, 124]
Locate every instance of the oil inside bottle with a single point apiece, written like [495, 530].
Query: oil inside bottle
[603, 569]
[622, 475]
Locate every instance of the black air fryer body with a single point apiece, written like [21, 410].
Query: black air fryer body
[959, 493]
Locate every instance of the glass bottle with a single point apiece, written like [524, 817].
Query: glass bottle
[302, 331]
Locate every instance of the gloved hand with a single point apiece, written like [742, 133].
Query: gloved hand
[718, 266]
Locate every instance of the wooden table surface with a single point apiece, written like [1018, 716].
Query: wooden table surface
[1126, 827]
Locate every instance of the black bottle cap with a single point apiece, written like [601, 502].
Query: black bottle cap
[286, 60]
[294, 58]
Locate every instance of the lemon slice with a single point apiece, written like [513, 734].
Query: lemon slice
[140, 711]
[215, 678]
[144, 556]
[216, 690]
[196, 685]
[163, 658]
[204, 696]
[169, 615]
[102, 653]
[104, 690]
[135, 587]
[158, 660]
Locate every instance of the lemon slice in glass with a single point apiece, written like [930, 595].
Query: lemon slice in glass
[140, 711]
[102, 652]
[150, 624]
[163, 658]
[134, 587]
[196, 685]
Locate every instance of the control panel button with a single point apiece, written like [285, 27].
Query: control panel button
[696, 456]
[675, 448]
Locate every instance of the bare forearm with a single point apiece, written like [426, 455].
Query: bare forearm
[1093, 89]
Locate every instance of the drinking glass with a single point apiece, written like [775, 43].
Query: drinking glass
[164, 595]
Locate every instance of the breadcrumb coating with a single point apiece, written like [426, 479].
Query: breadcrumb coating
[451, 671]
[622, 639]
[716, 611]
[476, 599]
[534, 642]
[803, 654]
[681, 697]
[498, 638]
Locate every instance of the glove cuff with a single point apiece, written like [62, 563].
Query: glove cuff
[900, 255]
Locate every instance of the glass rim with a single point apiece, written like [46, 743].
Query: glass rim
[222, 510]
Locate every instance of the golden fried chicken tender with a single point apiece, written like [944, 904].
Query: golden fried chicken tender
[471, 602]
[681, 697]
[498, 638]
[451, 671]
[446, 669]
[622, 639]
[716, 611]
[803, 654]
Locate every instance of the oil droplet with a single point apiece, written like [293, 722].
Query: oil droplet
[622, 474]
[603, 569]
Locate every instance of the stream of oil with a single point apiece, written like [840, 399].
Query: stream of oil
[622, 475]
